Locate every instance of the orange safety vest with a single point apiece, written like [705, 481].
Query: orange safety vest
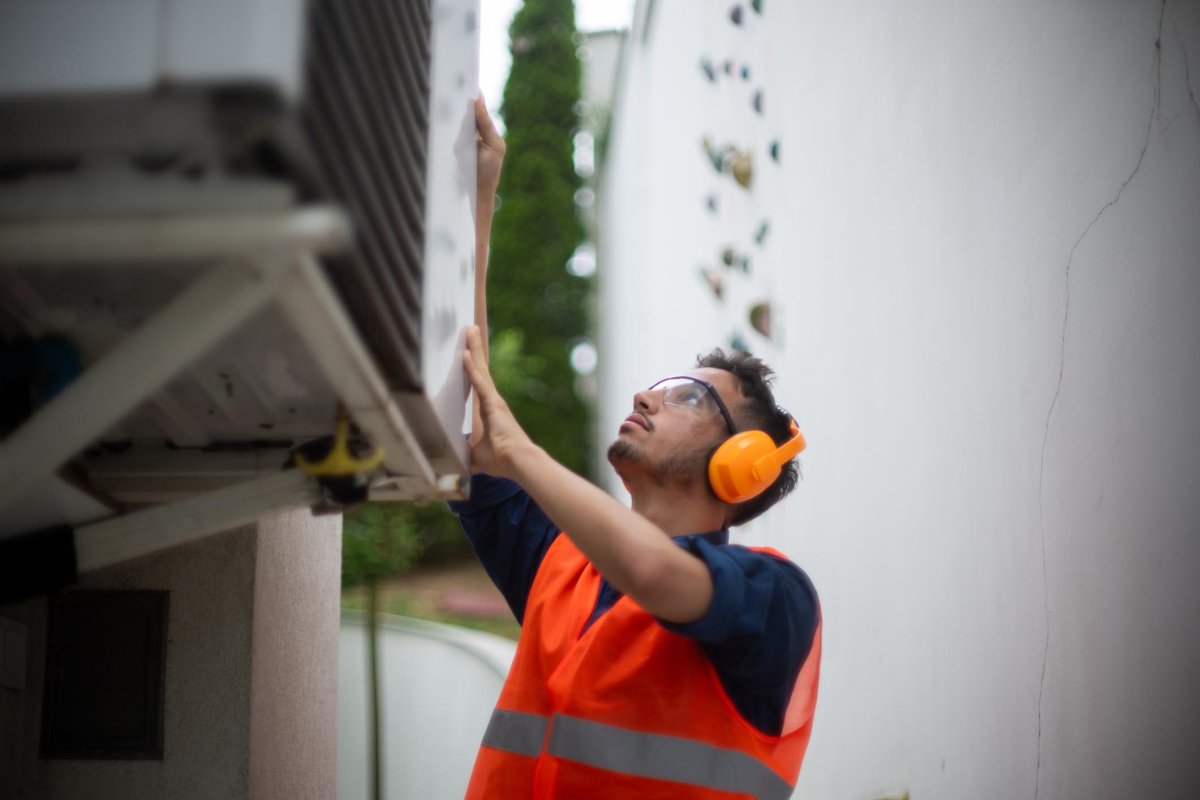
[628, 709]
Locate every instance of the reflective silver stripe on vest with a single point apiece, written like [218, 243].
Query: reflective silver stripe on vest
[516, 732]
[667, 758]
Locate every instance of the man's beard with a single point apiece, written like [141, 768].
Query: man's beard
[681, 469]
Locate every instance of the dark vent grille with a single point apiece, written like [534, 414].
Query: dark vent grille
[366, 116]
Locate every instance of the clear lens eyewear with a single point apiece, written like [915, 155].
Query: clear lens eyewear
[683, 391]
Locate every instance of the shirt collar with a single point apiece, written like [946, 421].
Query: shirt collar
[712, 537]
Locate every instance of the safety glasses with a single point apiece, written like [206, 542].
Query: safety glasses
[700, 396]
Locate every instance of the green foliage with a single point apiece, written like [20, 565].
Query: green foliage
[537, 309]
[514, 370]
[382, 539]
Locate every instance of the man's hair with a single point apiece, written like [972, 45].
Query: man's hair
[757, 411]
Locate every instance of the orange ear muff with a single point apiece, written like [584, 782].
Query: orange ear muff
[746, 464]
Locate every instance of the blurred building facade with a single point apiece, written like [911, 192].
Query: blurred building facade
[966, 239]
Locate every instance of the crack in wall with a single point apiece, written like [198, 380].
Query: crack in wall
[1187, 68]
[1154, 108]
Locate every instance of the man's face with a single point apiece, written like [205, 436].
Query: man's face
[671, 443]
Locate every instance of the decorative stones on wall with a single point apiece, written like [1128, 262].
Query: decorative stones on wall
[731, 160]
[716, 155]
[760, 318]
[760, 235]
[713, 70]
[742, 169]
[735, 260]
[714, 280]
[738, 66]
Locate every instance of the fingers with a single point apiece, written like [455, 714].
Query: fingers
[474, 346]
[483, 120]
[485, 127]
[475, 362]
[486, 400]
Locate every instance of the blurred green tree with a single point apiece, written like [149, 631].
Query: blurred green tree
[538, 310]
[384, 539]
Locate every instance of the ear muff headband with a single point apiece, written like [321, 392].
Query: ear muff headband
[746, 464]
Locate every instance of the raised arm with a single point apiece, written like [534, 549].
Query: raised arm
[631, 552]
[635, 556]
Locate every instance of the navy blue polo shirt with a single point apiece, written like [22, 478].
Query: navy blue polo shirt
[757, 631]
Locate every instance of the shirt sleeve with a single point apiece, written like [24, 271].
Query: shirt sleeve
[759, 628]
[509, 533]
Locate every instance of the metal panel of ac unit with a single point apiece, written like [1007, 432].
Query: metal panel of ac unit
[152, 116]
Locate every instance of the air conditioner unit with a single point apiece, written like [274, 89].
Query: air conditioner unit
[220, 222]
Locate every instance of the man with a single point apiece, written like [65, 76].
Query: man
[655, 660]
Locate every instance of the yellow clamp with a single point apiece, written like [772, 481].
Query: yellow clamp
[340, 461]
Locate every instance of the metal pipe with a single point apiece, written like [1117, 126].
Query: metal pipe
[165, 242]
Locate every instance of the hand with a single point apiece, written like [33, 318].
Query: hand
[489, 153]
[497, 440]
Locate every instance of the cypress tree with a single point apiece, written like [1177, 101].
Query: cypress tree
[537, 309]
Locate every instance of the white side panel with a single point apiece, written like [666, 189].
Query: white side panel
[450, 194]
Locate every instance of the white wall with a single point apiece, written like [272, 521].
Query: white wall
[656, 234]
[985, 248]
[438, 686]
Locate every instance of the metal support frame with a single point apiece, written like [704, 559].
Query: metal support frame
[169, 240]
[260, 258]
[131, 535]
[144, 474]
[149, 357]
[319, 320]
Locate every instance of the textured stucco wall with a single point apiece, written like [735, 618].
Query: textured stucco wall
[985, 255]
